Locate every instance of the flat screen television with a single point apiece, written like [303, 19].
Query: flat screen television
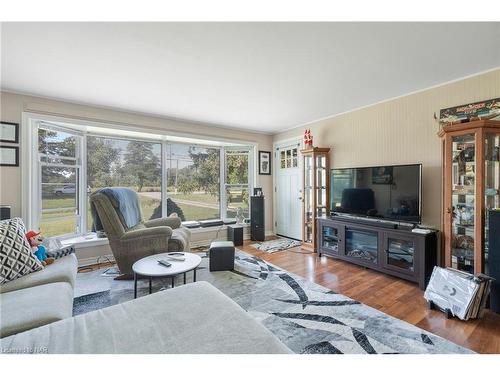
[390, 192]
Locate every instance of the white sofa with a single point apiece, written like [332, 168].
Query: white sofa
[193, 318]
[38, 298]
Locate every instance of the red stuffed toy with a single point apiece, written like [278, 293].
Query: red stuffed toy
[35, 240]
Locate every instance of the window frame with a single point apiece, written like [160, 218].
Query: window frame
[81, 179]
[31, 176]
[239, 150]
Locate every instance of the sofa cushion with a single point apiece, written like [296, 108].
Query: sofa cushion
[29, 308]
[16, 257]
[62, 270]
[193, 318]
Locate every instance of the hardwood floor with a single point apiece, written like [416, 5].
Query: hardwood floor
[398, 298]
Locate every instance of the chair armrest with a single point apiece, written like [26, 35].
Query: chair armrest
[143, 233]
[172, 222]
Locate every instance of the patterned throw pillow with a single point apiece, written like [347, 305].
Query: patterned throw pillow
[16, 257]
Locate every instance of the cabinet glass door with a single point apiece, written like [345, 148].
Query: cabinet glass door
[308, 198]
[321, 184]
[463, 202]
[491, 184]
[330, 238]
[400, 254]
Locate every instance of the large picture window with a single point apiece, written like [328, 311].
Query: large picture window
[197, 182]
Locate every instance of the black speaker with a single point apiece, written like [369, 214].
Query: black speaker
[257, 223]
[494, 258]
[4, 212]
[235, 234]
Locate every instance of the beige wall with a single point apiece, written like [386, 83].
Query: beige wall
[400, 131]
[13, 105]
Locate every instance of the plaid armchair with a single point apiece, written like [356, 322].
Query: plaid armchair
[130, 243]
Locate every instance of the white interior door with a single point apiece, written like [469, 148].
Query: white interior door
[288, 190]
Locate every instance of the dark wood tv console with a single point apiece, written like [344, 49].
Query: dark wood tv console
[379, 246]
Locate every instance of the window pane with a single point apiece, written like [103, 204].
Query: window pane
[236, 168]
[193, 181]
[51, 142]
[126, 163]
[237, 201]
[58, 226]
[59, 213]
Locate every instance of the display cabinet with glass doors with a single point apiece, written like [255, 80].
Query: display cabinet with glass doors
[316, 192]
[471, 187]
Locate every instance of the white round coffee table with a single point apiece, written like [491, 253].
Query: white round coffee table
[150, 268]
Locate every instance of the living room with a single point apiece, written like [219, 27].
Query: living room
[256, 187]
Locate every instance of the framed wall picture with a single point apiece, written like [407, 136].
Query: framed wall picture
[265, 162]
[9, 132]
[9, 156]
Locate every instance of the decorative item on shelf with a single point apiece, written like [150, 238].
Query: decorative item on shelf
[463, 241]
[308, 139]
[495, 154]
[9, 132]
[491, 192]
[265, 162]
[240, 218]
[483, 110]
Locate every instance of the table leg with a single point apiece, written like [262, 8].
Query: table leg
[173, 281]
[135, 285]
[194, 275]
[184, 277]
[150, 285]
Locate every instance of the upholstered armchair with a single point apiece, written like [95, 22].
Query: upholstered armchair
[117, 212]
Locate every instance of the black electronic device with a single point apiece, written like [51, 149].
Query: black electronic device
[493, 264]
[257, 222]
[390, 192]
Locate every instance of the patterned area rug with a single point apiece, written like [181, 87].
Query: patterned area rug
[305, 316]
[277, 245]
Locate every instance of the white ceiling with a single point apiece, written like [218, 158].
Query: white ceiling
[254, 76]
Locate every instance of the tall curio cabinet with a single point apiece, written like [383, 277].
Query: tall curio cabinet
[471, 187]
[316, 192]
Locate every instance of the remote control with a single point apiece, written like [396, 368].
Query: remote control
[164, 263]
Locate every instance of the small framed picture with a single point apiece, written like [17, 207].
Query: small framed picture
[265, 162]
[9, 156]
[9, 132]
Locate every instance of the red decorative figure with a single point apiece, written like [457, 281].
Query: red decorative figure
[308, 139]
